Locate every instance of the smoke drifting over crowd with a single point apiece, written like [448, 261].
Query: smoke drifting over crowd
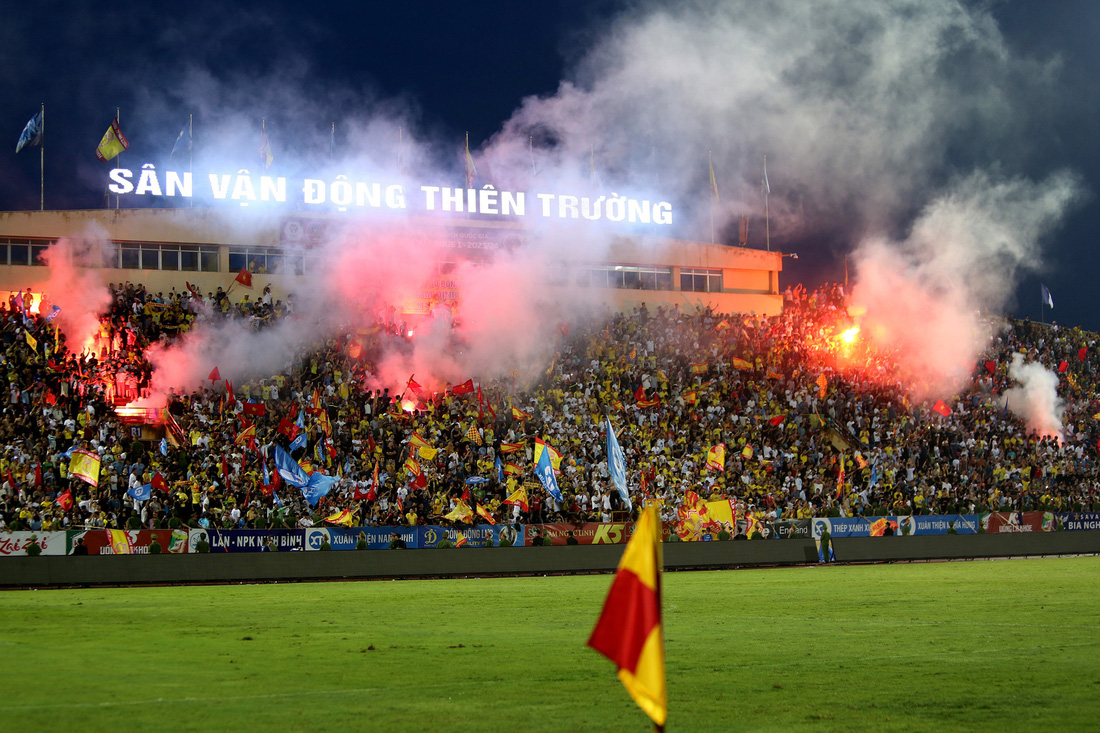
[909, 121]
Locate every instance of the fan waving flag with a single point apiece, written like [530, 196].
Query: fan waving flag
[32, 133]
[628, 631]
[545, 471]
[112, 144]
[942, 408]
[616, 464]
[244, 277]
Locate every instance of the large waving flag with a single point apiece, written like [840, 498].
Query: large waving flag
[629, 628]
[112, 144]
[318, 485]
[32, 134]
[545, 471]
[289, 470]
[716, 457]
[299, 442]
[119, 542]
[84, 465]
[616, 464]
[141, 493]
[518, 498]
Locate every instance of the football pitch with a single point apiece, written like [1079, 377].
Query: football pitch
[993, 645]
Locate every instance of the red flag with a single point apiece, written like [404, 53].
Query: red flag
[225, 470]
[159, 482]
[419, 482]
[38, 475]
[1082, 353]
[215, 375]
[942, 408]
[11, 480]
[52, 400]
[229, 391]
[639, 394]
[991, 367]
[414, 386]
[244, 277]
[465, 388]
[1063, 366]
[373, 493]
[285, 427]
[778, 419]
[254, 408]
[466, 493]
[65, 500]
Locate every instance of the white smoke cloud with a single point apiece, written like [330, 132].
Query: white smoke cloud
[893, 117]
[1035, 400]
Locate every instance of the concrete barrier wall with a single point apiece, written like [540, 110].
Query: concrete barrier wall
[290, 566]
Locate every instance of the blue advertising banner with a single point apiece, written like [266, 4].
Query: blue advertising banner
[345, 538]
[906, 525]
[248, 540]
[480, 535]
[1078, 521]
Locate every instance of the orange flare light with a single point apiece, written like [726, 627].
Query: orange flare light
[849, 335]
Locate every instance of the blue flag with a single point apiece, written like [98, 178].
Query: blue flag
[475, 480]
[500, 471]
[616, 464]
[164, 446]
[1045, 294]
[141, 493]
[299, 442]
[289, 469]
[545, 471]
[183, 142]
[32, 133]
[318, 485]
[55, 311]
[267, 475]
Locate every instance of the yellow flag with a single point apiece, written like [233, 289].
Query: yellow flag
[31, 341]
[428, 454]
[112, 144]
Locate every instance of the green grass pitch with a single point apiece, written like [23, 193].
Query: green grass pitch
[995, 645]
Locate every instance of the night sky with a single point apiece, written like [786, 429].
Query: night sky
[442, 69]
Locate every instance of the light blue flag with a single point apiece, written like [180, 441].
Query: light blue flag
[267, 474]
[475, 480]
[318, 485]
[183, 142]
[164, 446]
[616, 465]
[289, 469]
[545, 471]
[141, 493]
[500, 471]
[1045, 295]
[299, 442]
[32, 133]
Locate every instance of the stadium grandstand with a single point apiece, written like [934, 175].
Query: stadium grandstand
[743, 410]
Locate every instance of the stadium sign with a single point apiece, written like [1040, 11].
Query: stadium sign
[346, 194]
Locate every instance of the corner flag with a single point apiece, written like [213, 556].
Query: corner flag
[629, 629]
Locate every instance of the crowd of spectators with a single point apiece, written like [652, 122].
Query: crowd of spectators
[806, 433]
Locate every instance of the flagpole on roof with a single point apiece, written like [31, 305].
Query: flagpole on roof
[117, 195]
[714, 186]
[767, 218]
[190, 151]
[42, 164]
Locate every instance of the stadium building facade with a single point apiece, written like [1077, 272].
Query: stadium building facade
[207, 247]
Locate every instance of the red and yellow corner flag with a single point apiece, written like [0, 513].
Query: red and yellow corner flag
[629, 629]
